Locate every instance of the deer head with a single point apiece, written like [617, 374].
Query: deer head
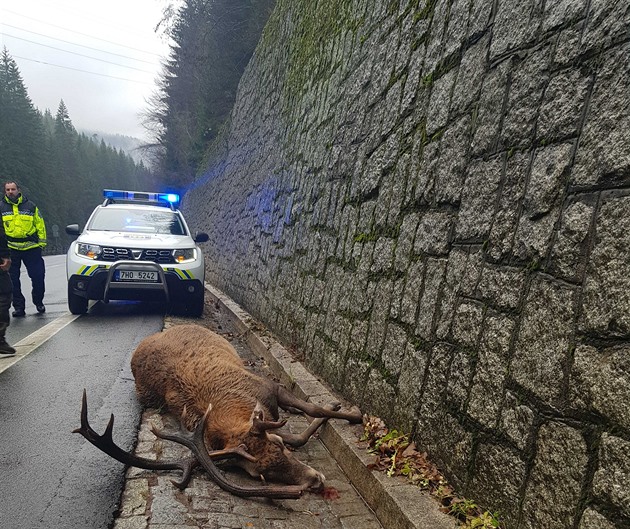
[272, 460]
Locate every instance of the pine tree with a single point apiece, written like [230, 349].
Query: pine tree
[21, 131]
[213, 43]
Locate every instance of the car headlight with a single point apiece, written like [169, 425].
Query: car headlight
[185, 256]
[91, 251]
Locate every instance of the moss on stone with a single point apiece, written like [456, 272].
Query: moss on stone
[317, 27]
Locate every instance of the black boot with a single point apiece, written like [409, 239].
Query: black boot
[5, 349]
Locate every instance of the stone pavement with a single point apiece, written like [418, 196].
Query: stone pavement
[357, 497]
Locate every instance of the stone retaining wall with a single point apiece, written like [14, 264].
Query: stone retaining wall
[431, 201]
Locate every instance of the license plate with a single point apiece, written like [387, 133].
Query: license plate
[136, 275]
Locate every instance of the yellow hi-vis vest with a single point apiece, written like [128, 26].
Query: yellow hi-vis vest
[24, 227]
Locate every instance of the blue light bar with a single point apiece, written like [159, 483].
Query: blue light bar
[173, 198]
[140, 196]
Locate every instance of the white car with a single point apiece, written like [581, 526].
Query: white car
[136, 246]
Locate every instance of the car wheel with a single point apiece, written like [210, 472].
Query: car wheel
[195, 307]
[76, 304]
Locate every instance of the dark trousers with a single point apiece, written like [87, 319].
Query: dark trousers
[5, 302]
[34, 263]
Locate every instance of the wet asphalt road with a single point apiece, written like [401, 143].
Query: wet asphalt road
[49, 477]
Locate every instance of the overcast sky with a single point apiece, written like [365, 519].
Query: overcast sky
[101, 57]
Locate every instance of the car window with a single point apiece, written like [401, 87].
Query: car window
[137, 221]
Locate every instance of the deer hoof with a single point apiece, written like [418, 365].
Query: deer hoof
[356, 415]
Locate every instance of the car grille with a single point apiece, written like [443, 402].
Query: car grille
[122, 254]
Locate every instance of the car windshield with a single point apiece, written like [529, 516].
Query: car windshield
[137, 221]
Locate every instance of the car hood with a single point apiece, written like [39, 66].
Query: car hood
[136, 240]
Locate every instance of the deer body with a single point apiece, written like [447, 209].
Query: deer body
[188, 367]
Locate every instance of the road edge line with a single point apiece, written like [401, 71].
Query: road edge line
[31, 342]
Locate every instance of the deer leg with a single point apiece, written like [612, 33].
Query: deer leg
[288, 399]
[292, 410]
[297, 440]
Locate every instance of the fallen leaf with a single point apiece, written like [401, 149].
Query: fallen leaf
[410, 450]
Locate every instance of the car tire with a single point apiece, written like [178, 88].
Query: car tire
[196, 305]
[76, 304]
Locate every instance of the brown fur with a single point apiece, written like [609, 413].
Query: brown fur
[189, 366]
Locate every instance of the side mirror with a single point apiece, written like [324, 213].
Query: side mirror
[200, 236]
[73, 229]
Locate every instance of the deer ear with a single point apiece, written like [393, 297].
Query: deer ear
[257, 418]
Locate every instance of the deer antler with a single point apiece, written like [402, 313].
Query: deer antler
[192, 440]
[195, 442]
[106, 443]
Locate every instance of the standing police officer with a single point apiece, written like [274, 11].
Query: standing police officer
[26, 236]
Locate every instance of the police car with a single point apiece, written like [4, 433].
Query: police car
[136, 246]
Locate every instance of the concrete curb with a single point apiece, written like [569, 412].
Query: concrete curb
[396, 503]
